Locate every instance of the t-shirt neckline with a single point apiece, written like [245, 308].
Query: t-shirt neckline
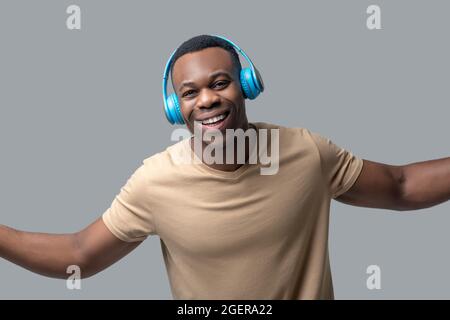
[216, 172]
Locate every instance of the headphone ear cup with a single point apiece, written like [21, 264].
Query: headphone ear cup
[173, 111]
[244, 85]
[249, 88]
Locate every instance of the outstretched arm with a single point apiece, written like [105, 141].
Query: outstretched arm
[409, 187]
[427, 183]
[92, 249]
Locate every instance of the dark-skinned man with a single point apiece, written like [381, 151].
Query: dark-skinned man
[226, 230]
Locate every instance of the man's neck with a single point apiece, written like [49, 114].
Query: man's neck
[228, 167]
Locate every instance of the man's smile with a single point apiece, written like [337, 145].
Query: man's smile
[219, 120]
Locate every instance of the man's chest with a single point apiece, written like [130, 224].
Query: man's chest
[217, 218]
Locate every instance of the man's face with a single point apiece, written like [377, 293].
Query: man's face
[207, 85]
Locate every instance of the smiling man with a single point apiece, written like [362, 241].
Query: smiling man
[219, 108]
[227, 231]
[196, 65]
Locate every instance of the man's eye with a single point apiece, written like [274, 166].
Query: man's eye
[187, 93]
[220, 84]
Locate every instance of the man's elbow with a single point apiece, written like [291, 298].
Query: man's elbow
[407, 200]
[84, 262]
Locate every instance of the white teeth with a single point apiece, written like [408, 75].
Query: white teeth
[214, 119]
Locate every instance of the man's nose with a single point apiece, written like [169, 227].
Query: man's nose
[208, 98]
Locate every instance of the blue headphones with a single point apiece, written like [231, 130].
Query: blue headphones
[251, 83]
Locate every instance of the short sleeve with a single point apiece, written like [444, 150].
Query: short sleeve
[129, 216]
[340, 167]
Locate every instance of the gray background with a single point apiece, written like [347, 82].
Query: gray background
[81, 109]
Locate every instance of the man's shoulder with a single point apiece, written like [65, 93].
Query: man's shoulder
[295, 137]
[166, 158]
[285, 131]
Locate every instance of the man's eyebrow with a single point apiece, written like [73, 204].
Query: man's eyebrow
[213, 75]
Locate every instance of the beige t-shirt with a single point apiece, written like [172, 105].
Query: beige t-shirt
[240, 234]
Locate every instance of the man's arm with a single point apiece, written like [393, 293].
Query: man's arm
[409, 187]
[427, 183]
[92, 249]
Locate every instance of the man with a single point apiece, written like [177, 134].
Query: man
[227, 231]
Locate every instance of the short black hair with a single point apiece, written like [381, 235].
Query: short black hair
[204, 41]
